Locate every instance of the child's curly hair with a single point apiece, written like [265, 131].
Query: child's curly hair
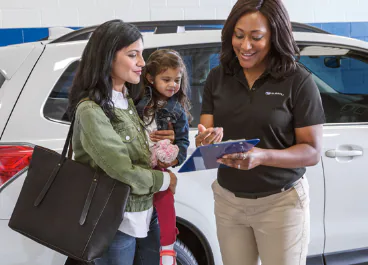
[159, 61]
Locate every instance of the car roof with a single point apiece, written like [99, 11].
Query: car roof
[162, 27]
[214, 36]
[192, 37]
[326, 39]
[189, 32]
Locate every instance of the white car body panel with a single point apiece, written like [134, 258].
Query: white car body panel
[12, 57]
[316, 182]
[17, 71]
[15, 248]
[346, 188]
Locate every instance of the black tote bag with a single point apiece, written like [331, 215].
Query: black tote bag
[68, 206]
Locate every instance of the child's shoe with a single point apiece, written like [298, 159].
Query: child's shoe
[168, 257]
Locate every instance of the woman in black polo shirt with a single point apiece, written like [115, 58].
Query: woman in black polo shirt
[260, 91]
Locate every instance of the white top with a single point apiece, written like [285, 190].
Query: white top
[136, 224]
[149, 129]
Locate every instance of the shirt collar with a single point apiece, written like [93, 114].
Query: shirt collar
[118, 96]
[234, 68]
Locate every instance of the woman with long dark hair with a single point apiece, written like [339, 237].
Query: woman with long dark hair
[109, 135]
[259, 90]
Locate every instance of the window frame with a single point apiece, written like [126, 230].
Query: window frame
[218, 44]
[176, 47]
[48, 96]
[191, 47]
[341, 46]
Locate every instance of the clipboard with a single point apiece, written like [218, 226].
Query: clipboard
[205, 157]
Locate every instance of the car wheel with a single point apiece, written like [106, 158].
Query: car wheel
[183, 255]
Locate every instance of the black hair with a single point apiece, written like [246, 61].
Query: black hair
[93, 77]
[284, 51]
[158, 62]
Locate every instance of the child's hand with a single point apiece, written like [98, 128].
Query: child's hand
[164, 134]
[167, 165]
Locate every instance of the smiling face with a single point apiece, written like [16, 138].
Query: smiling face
[251, 40]
[128, 63]
[168, 82]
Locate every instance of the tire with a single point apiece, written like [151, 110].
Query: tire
[183, 255]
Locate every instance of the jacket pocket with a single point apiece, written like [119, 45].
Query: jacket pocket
[129, 135]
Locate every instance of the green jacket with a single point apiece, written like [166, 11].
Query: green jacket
[118, 148]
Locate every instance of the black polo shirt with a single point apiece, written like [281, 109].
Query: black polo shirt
[270, 111]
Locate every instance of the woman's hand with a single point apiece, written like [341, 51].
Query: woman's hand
[167, 165]
[173, 182]
[208, 136]
[164, 134]
[306, 152]
[244, 161]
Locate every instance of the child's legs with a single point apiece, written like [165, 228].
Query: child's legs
[164, 204]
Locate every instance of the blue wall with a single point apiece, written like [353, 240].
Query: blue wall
[357, 30]
[22, 35]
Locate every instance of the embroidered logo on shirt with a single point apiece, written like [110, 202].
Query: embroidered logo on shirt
[274, 94]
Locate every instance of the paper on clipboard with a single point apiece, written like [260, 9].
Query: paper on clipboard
[205, 157]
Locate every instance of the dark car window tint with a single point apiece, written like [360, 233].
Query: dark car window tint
[57, 102]
[199, 62]
[342, 78]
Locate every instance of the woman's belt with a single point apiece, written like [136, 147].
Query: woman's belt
[265, 194]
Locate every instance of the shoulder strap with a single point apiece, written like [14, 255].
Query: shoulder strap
[68, 142]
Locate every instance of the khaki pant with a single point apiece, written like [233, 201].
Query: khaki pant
[274, 228]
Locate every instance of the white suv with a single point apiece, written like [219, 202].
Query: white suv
[34, 82]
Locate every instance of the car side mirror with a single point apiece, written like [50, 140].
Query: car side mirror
[332, 62]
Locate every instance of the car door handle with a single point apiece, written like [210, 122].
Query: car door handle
[343, 153]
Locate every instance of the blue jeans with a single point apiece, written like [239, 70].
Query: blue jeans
[128, 250]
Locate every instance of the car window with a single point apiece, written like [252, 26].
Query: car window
[342, 79]
[199, 62]
[57, 102]
[340, 74]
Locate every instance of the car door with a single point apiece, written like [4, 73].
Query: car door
[341, 74]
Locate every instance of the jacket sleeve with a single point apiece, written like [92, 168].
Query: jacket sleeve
[181, 128]
[110, 153]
